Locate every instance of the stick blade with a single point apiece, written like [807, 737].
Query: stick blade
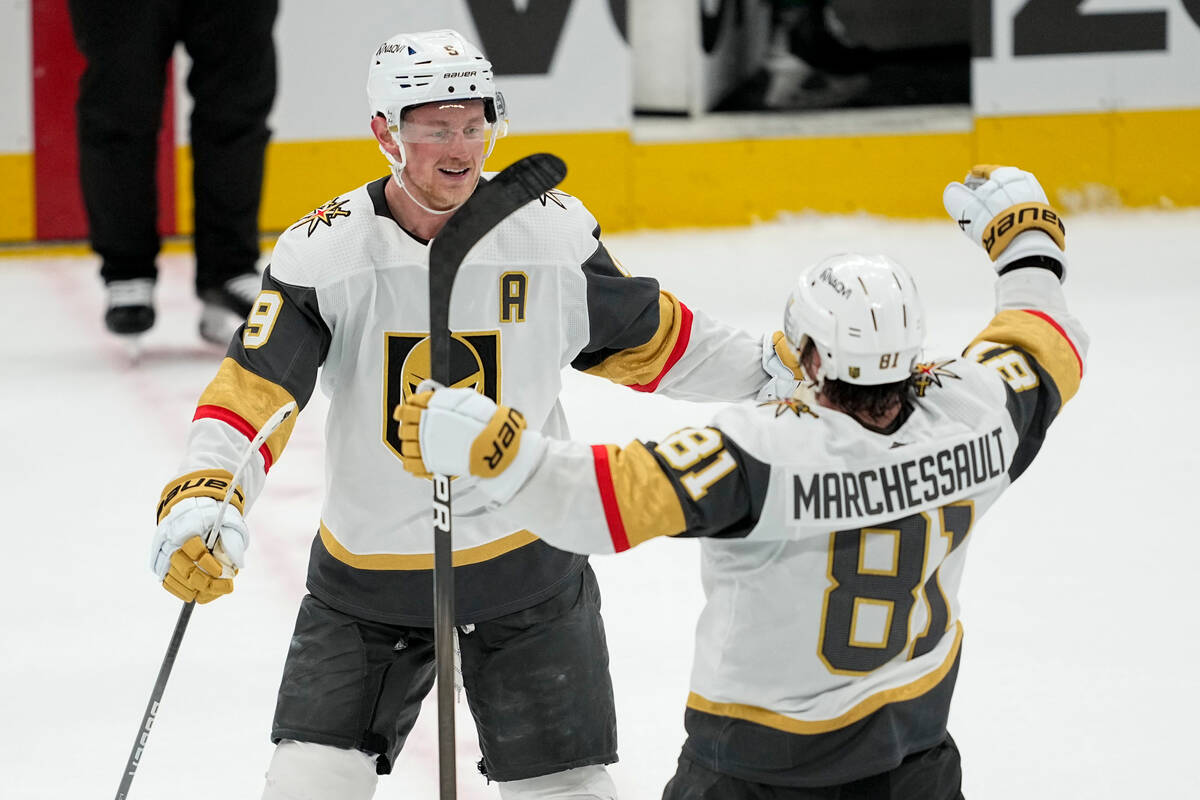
[518, 184]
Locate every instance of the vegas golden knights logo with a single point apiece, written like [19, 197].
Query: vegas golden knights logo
[474, 364]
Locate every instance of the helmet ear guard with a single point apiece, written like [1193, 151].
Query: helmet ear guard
[863, 314]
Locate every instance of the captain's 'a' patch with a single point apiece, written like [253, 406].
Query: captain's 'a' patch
[474, 364]
[324, 214]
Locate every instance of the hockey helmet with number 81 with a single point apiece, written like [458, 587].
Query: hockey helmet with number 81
[864, 316]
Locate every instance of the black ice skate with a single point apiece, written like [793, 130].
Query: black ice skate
[227, 306]
[130, 306]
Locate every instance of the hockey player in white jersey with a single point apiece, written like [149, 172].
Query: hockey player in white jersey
[835, 523]
[347, 293]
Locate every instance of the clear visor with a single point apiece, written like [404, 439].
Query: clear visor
[435, 133]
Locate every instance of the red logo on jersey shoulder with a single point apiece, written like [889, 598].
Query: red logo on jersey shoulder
[930, 374]
[323, 214]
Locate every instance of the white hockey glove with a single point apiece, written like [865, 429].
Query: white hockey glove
[187, 568]
[782, 363]
[1004, 210]
[461, 432]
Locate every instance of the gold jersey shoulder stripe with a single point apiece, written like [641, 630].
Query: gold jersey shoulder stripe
[645, 497]
[415, 561]
[645, 364]
[252, 398]
[782, 722]
[1040, 336]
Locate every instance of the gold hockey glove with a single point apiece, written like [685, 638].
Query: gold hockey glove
[186, 513]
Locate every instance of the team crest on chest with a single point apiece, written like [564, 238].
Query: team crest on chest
[931, 374]
[323, 214]
[474, 364]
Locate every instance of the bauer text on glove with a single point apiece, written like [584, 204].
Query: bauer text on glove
[461, 432]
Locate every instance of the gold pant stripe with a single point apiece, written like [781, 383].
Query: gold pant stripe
[1040, 336]
[641, 365]
[251, 397]
[771, 719]
[404, 561]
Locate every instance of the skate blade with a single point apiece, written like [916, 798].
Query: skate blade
[134, 347]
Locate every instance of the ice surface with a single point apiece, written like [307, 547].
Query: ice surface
[1079, 669]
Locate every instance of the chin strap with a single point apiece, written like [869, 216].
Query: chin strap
[398, 170]
[398, 174]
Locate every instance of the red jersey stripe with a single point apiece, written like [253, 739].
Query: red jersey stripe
[1044, 316]
[608, 496]
[237, 423]
[681, 343]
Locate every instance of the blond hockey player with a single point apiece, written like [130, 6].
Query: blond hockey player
[347, 293]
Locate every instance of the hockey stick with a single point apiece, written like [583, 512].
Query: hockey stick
[185, 613]
[520, 183]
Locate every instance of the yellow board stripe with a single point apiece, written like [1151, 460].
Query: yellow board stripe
[1041, 337]
[399, 561]
[647, 501]
[251, 397]
[18, 223]
[771, 719]
[631, 182]
[641, 365]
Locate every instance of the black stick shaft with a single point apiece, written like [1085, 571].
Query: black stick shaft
[160, 686]
[443, 590]
[443, 561]
[507, 192]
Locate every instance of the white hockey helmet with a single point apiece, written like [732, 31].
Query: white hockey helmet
[411, 69]
[863, 314]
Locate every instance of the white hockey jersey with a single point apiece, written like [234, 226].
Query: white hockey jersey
[346, 293]
[832, 555]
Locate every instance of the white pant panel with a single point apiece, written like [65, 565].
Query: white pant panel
[307, 771]
[582, 783]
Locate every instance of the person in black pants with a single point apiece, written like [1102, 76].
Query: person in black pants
[232, 84]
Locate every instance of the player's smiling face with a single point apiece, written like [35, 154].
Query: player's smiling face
[444, 145]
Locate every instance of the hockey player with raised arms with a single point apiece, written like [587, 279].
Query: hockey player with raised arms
[347, 292]
[835, 523]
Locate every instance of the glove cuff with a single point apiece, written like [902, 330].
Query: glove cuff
[212, 483]
[1007, 226]
[1038, 262]
[500, 490]
[1032, 248]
